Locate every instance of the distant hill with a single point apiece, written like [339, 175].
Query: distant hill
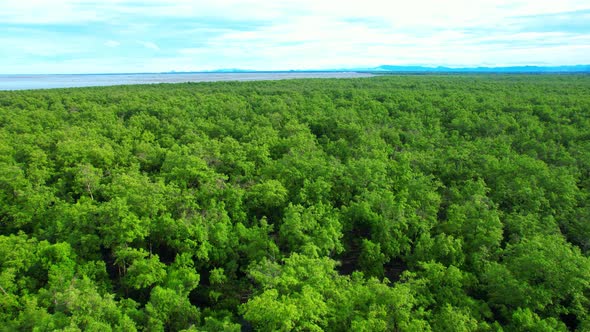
[513, 69]
[439, 69]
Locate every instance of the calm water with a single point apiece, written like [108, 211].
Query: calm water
[23, 82]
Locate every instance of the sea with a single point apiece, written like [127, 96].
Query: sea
[29, 82]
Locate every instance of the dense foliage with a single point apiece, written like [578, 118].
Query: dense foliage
[412, 203]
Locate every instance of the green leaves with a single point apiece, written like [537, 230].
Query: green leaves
[266, 198]
[145, 272]
[315, 231]
[119, 225]
[300, 313]
[394, 203]
[476, 221]
[543, 273]
[168, 310]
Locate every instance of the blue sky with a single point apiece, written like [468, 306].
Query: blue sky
[44, 36]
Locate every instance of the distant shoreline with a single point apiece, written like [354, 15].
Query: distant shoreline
[15, 82]
[49, 81]
[196, 72]
[386, 69]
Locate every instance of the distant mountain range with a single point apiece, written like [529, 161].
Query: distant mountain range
[512, 69]
[439, 69]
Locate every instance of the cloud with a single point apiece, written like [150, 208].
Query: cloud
[150, 45]
[111, 43]
[572, 22]
[53, 36]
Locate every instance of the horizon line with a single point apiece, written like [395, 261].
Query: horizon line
[380, 68]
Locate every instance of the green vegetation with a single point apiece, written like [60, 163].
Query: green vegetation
[413, 203]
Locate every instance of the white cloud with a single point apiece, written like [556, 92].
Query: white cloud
[429, 12]
[264, 34]
[47, 12]
[150, 45]
[111, 43]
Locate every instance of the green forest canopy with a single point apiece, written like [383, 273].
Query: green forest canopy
[394, 203]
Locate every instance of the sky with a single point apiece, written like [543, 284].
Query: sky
[115, 36]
